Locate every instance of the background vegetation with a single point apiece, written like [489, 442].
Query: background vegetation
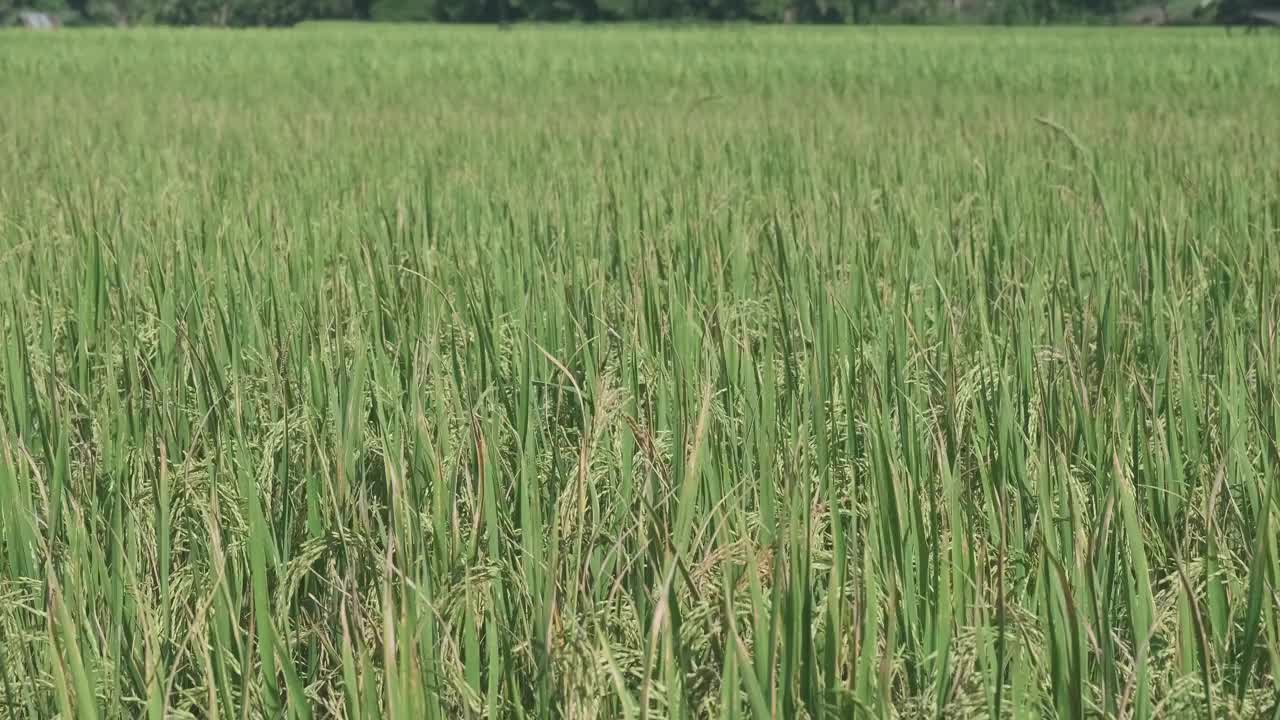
[289, 12]
[427, 373]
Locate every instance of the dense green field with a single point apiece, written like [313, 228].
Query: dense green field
[604, 373]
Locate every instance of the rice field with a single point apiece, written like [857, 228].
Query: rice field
[434, 373]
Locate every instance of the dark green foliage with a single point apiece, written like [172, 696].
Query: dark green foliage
[1245, 12]
[400, 10]
[248, 12]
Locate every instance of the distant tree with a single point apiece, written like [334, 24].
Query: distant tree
[1232, 12]
[400, 10]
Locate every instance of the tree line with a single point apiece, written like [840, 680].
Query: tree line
[242, 13]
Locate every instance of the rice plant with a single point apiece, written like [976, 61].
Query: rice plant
[639, 373]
